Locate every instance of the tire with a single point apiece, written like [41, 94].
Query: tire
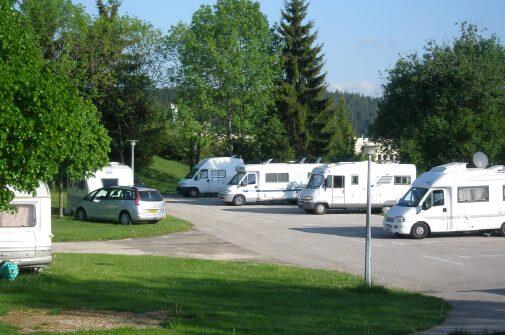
[238, 200]
[320, 209]
[419, 231]
[125, 218]
[385, 209]
[193, 193]
[502, 230]
[80, 214]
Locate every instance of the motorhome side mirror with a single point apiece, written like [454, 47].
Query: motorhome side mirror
[418, 209]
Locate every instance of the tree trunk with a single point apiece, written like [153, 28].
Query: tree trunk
[60, 200]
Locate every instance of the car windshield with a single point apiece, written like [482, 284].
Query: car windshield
[412, 197]
[315, 181]
[236, 179]
[191, 174]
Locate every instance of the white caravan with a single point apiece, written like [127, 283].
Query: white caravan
[451, 197]
[25, 235]
[209, 176]
[114, 174]
[267, 182]
[343, 186]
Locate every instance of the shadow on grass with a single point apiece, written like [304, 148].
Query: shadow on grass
[224, 298]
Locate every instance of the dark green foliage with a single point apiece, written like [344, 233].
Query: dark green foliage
[362, 109]
[448, 103]
[341, 147]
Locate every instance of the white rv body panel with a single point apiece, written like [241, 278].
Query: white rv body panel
[344, 185]
[25, 235]
[210, 175]
[451, 198]
[114, 174]
[267, 182]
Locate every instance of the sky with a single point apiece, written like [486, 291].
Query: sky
[361, 39]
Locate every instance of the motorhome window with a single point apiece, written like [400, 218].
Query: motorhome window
[504, 192]
[402, 180]
[271, 177]
[251, 179]
[24, 216]
[116, 194]
[437, 198]
[236, 179]
[473, 194]
[412, 197]
[338, 181]
[101, 194]
[315, 181]
[328, 182]
[108, 182]
[218, 173]
[283, 177]
[277, 177]
[204, 174]
[354, 180]
[150, 196]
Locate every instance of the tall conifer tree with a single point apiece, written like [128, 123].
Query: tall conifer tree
[301, 102]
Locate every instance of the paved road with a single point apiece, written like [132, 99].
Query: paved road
[466, 269]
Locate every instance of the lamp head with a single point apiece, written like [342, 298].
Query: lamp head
[369, 149]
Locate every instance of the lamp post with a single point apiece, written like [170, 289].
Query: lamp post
[369, 149]
[132, 143]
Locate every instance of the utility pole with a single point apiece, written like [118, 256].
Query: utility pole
[132, 143]
[369, 149]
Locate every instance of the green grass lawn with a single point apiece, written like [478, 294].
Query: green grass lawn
[162, 174]
[68, 229]
[210, 297]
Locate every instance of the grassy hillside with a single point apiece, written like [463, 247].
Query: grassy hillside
[162, 174]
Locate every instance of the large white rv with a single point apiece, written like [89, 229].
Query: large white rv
[209, 176]
[114, 174]
[25, 235]
[343, 186]
[267, 182]
[451, 197]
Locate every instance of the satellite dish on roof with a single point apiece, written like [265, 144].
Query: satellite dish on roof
[480, 160]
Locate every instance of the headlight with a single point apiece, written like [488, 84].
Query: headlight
[308, 197]
[399, 219]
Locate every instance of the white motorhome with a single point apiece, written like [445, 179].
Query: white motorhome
[114, 174]
[451, 197]
[266, 182]
[209, 176]
[344, 186]
[25, 235]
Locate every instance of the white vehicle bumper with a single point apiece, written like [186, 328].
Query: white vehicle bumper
[226, 197]
[396, 227]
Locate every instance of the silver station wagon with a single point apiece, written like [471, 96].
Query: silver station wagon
[123, 204]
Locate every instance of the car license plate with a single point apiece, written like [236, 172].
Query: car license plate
[152, 211]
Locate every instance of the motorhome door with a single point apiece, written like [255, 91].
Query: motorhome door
[250, 186]
[435, 209]
[202, 181]
[338, 190]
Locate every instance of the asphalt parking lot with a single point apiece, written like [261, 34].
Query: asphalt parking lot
[466, 268]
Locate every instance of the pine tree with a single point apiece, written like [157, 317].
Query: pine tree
[301, 103]
[342, 142]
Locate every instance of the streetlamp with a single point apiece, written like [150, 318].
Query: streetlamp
[132, 143]
[369, 149]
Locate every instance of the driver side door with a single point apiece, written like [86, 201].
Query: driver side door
[202, 181]
[250, 186]
[436, 209]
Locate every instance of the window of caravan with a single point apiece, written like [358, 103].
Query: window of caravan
[402, 180]
[23, 217]
[473, 194]
[108, 182]
[338, 181]
[235, 180]
[315, 181]
[354, 180]
[277, 177]
[251, 179]
[218, 173]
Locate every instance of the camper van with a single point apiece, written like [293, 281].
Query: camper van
[114, 174]
[25, 235]
[266, 182]
[448, 198]
[209, 176]
[344, 186]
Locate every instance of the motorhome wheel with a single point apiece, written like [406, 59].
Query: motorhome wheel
[80, 214]
[502, 230]
[238, 200]
[419, 230]
[125, 218]
[320, 209]
[193, 193]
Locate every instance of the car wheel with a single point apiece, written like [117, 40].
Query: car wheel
[193, 193]
[419, 231]
[238, 200]
[502, 230]
[320, 209]
[80, 214]
[385, 209]
[125, 218]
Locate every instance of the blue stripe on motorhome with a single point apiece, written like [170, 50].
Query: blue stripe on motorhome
[286, 190]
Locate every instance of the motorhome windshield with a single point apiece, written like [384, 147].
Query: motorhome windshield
[192, 173]
[236, 179]
[412, 197]
[315, 181]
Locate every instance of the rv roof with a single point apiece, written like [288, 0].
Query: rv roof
[458, 173]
